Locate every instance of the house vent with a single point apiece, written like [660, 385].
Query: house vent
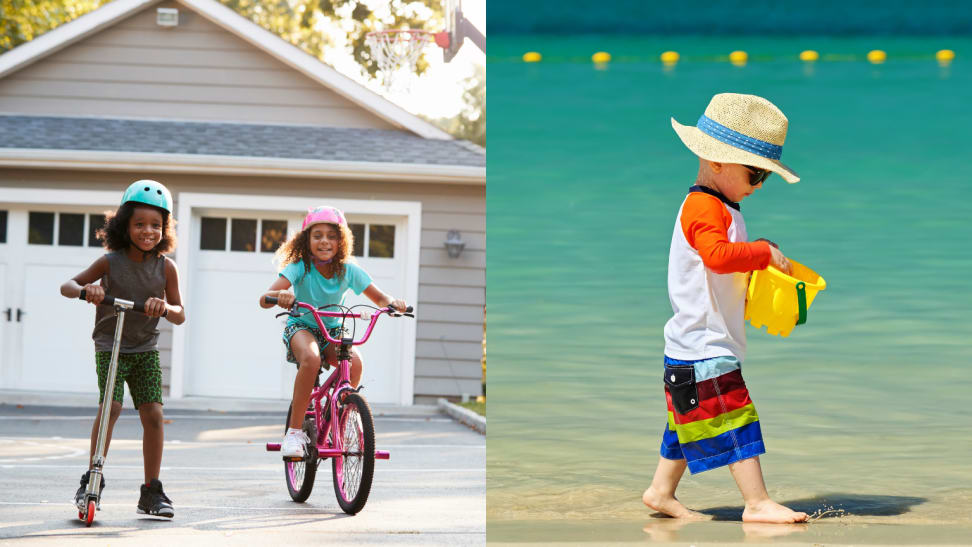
[167, 17]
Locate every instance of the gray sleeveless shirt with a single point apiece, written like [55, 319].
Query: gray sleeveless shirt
[137, 281]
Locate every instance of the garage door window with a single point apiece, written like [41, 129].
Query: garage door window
[242, 234]
[378, 239]
[62, 229]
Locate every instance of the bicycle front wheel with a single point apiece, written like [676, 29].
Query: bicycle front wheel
[354, 469]
[300, 474]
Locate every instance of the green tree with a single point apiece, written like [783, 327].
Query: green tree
[23, 20]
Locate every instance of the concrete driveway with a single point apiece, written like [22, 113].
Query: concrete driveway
[227, 489]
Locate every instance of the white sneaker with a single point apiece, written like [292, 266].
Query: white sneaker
[293, 445]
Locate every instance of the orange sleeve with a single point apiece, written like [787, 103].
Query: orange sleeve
[705, 223]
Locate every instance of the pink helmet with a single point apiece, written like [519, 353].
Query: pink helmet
[324, 214]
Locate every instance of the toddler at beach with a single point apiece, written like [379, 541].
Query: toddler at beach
[711, 419]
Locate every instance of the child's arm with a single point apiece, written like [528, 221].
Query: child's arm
[85, 280]
[172, 305]
[705, 223]
[280, 289]
[382, 300]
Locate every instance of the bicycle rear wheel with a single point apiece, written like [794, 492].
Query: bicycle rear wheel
[300, 475]
[354, 470]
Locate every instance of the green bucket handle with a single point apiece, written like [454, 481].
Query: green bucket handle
[801, 289]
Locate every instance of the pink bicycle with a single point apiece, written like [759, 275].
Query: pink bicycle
[338, 420]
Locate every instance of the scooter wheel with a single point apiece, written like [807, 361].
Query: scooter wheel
[91, 512]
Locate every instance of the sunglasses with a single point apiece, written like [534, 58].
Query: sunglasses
[757, 175]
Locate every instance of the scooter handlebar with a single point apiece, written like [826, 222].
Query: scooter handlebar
[109, 300]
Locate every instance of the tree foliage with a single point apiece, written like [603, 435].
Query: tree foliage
[23, 20]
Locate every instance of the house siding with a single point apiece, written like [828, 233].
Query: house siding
[196, 71]
[452, 291]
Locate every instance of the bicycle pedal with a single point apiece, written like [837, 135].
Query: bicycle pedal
[294, 459]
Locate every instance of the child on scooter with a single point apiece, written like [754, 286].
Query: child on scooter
[136, 237]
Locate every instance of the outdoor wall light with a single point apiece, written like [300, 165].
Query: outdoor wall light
[454, 244]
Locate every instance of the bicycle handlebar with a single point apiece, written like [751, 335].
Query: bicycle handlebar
[342, 314]
[390, 310]
[110, 300]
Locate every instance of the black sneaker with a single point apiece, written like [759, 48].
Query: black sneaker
[79, 496]
[153, 501]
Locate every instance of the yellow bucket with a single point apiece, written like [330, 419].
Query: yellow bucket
[780, 301]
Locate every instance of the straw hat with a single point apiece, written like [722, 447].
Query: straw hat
[742, 129]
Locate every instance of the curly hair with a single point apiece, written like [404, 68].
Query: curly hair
[114, 234]
[297, 249]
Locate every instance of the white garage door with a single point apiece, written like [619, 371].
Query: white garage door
[47, 338]
[233, 347]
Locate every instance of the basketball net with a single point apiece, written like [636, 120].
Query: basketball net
[395, 50]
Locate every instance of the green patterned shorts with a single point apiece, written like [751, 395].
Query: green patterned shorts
[291, 329]
[142, 371]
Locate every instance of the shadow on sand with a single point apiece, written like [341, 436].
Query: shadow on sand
[833, 505]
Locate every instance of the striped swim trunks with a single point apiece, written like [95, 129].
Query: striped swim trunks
[711, 419]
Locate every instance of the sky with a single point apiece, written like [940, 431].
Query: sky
[438, 92]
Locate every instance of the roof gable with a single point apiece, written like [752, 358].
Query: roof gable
[352, 103]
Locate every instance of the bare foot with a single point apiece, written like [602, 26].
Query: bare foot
[770, 511]
[670, 506]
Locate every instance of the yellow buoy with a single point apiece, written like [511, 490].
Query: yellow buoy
[945, 56]
[532, 57]
[669, 57]
[809, 55]
[601, 57]
[738, 58]
[876, 56]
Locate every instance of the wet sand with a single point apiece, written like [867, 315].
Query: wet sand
[666, 531]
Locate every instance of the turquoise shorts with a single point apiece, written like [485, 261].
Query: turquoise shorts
[292, 329]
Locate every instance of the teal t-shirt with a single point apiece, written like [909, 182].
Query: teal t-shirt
[315, 289]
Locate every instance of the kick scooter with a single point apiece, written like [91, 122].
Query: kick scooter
[92, 495]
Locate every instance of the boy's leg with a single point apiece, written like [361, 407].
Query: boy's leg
[660, 496]
[308, 354]
[759, 507]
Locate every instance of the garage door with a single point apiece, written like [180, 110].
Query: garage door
[47, 337]
[234, 348]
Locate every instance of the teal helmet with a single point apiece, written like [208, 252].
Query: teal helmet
[149, 192]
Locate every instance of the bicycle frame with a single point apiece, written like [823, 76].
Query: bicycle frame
[337, 382]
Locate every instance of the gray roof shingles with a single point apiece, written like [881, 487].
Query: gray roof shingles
[235, 139]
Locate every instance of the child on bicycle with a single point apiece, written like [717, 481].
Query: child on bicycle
[711, 419]
[136, 237]
[316, 267]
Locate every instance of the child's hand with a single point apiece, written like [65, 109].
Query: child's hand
[398, 305]
[768, 241]
[94, 293]
[778, 261]
[285, 299]
[154, 307]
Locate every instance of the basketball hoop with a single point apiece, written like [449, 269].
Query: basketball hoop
[397, 49]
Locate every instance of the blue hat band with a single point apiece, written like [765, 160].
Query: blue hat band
[722, 133]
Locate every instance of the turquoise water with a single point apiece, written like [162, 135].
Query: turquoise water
[865, 408]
